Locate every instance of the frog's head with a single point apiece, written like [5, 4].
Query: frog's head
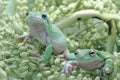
[91, 58]
[36, 19]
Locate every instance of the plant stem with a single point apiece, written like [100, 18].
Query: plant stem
[86, 14]
[111, 36]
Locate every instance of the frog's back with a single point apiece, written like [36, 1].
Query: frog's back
[106, 55]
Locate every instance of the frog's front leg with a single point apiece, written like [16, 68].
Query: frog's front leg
[68, 55]
[68, 67]
[107, 70]
[48, 51]
[24, 37]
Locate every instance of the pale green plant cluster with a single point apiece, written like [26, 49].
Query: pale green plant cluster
[18, 62]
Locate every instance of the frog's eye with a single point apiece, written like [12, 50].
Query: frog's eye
[44, 16]
[92, 53]
[27, 13]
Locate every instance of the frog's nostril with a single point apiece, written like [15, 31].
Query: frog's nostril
[75, 53]
[27, 13]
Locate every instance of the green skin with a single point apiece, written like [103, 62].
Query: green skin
[81, 15]
[48, 34]
[78, 15]
[91, 59]
[51, 36]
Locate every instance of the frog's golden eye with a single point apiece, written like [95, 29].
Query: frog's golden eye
[92, 53]
[44, 16]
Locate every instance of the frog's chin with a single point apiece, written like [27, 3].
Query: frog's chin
[91, 65]
[36, 20]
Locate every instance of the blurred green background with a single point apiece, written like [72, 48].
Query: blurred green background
[17, 61]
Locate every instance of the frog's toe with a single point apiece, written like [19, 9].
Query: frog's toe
[42, 58]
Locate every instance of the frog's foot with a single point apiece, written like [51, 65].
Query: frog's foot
[68, 68]
[25, 38]
[103, 75]
[107, 69]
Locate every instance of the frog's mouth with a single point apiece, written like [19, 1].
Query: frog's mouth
[34, 21]
[92, 65]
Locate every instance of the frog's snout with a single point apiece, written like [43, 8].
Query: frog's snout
[75, 53]
[27, 13]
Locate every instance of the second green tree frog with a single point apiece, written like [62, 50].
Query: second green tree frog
[91, 59]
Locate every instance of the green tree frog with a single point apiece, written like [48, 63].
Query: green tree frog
[41, 28]
[91, 59]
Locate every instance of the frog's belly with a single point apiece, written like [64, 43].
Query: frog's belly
[42, 38]
[39, 35]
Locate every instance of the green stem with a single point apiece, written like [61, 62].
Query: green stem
[85, 14]
[111, 36]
